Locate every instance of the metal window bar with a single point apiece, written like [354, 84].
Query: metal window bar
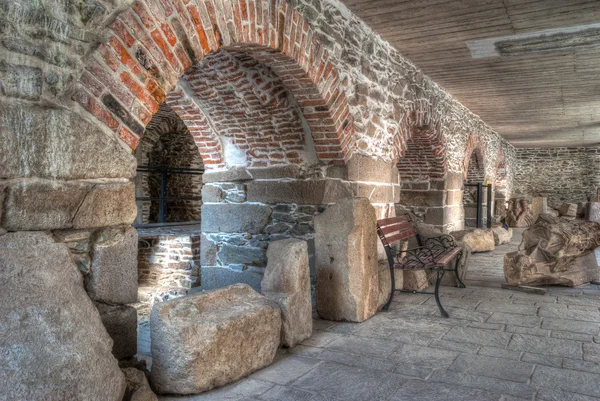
[489, 188]
[163, 198]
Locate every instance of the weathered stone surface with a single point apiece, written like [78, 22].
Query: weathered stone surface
[244, 255]
[367, 169]
[414, 281]
[479, 240]
[229, 175]
[113, 277]
[107, 205]
[287, 282]
[539, 205]
[44, 205]
[346, 261]
[308, 192]
[120, 322]
[234, 218]
[208, 251]
[519, 213]
[593, 213]
[568, 209]
[138, 388]
[560, 253]
[52, 341]
[220, 276]
[56, 143]
[501, 235]
[208, 340]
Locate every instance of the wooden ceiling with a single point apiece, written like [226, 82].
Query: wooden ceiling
[533, 100]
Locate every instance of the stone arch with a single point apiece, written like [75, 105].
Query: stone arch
[423, 156]
[167, 142]
[153, 42]
[501, 170]
[474, 161]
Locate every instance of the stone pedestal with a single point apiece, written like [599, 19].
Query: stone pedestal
[211, 339]
[346, 261]
[287, 282]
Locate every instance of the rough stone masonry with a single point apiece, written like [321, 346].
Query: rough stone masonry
[80, 82]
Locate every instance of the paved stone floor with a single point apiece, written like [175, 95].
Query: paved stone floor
[498, 345]
[486, 269]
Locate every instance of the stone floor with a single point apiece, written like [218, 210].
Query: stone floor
[486, 269]
[498, 345]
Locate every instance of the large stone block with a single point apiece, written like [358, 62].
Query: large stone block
[478, 240]
[211, 339]
[423, 198]
[346, 255]
[377, 193]
[304, 192]
[120, 322]
[539, 205]
[243, 255]
[138, 388]
[367, 169]
[560, 253]
[234, 218]
[221, 276]
[46, 205]
[501, 235]
[568, 209]
[53, 344]
[113, 273]
[593, 213]
[56, 143]
[107, 205]
[287, 282]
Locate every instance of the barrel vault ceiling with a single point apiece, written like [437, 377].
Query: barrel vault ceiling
[529, 68]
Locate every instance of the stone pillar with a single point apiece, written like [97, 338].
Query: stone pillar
[436, 201]
[346, 255]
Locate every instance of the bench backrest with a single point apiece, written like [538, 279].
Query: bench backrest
[396, 229]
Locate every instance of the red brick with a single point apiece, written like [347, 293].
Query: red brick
[89, 103]
[139, 92]
[128, 137]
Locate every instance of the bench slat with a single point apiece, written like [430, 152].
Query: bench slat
[400, 236]
[396, 227]
[392, 220]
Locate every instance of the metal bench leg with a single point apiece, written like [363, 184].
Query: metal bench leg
[440, 274]
[387, 304]
[459, 282]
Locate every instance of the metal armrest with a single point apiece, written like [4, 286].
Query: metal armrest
[445, 241]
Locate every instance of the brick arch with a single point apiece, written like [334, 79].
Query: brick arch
[474, 152]
[151, 44]
[500, 170]
[422, 148]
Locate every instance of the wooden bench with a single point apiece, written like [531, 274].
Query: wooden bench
[435, 254]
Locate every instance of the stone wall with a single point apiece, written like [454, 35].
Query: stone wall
[245, 209]
[168, 264]
[560, 174]
[80, 82]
